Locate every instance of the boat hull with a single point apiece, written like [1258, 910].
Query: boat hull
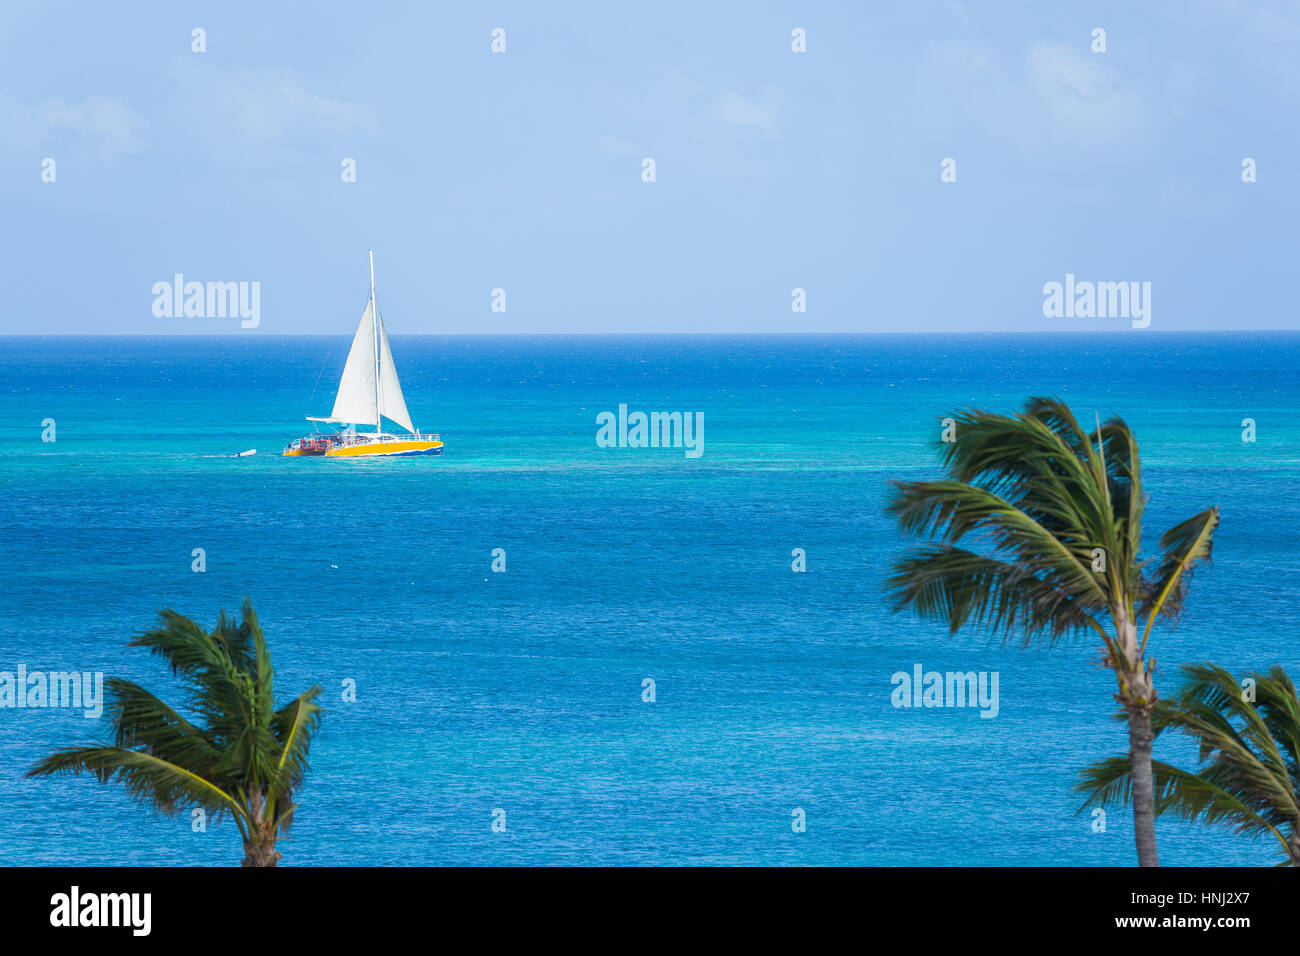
[393, 448]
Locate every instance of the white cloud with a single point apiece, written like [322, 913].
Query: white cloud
[1267, 36]
[266, 105]
[1058, 96]
[102, 118]
[615, 146]
[101, 123]
[1079, 95]
[736, 110]
[256, 108]
[679, 121]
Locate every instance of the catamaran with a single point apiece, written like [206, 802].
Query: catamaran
[368, 393]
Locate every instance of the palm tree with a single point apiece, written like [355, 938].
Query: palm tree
[1036, 534]
[244, 758]
[1251, 743]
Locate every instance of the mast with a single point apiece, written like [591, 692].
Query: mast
[374, 319]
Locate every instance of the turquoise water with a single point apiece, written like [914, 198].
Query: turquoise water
[522, 690]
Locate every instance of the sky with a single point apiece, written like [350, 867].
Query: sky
[523, 170]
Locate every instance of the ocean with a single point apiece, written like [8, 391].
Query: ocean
[518, 695]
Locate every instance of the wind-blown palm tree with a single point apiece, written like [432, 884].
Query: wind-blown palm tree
[1252, 779]
[243, 758]
[1037, 534]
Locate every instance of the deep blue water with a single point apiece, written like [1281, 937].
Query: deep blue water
[522, 690]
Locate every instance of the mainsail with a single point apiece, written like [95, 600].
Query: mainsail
[358, 400]
[391, 403]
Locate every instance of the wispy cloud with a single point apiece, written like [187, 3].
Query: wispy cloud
[1057, 95]
[616, 146]
[715, 133]
[109, 120]
[104, 124]
[735, 110]
[1267, 36]
[269, 105]
[1079, 95]
[254, 108]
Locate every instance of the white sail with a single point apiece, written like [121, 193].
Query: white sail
[391, 403]
[356, 400]
[360, 399]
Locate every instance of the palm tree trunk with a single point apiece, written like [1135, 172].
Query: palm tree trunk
[1137, 693]
[260, 851]
[1144, 797]
[259, 846]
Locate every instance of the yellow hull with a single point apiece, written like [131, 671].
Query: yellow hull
[386, 448]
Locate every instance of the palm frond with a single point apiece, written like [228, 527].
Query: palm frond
[151, 780]
[295, 724]
[955, 585]
[1124, 474]
[950, 510]
[213, 676]
[1249, 778]
[1235, 737]
[1183, 547]
[140, 719]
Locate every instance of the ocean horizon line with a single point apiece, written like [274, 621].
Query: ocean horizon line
[1008, 333]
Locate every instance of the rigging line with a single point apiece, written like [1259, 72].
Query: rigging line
[328, 352]
[320, 373]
